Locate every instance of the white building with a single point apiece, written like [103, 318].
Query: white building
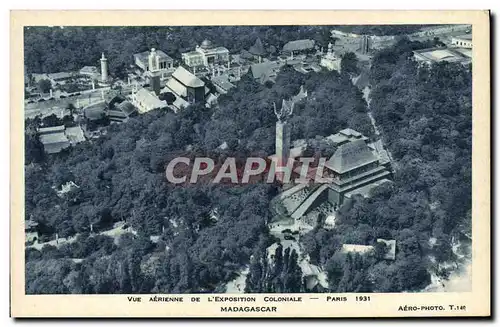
[331, 61]
[154, 60]
[206, 55]
[463, 41]
[146, 101]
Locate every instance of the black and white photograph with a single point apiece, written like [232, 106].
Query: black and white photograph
[372, 125]
[250, 164]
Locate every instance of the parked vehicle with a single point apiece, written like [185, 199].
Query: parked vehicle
[289, 238]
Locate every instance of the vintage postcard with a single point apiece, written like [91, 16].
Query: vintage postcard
[250, 164]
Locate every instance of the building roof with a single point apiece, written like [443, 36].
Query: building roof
[206, 44]
[126, 107]
[89, 70]
[51, 148]
[467, 37]
[95, 111]
[220, 49]
[258, 48]
[464, 51]
[187, 78]
[53, 138]
[244, 54]
[223, 82]
[51, 129]
[356, 248]
[350, 156]
[440, 54]
[75, 134]
[298, 45]
[176, 87]
[349, 132]
[148, 99]
[337, 138]
[58, 76]
[143, 56]
[180, 103]
[308, 202]
[264, 69]
[54, 142]
[192, 54]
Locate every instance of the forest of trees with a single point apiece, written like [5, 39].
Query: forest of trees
[425, 114]
[54, 49]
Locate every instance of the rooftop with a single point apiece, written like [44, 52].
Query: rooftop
[180, 103]
[143, 56]
[298, 45]
[59, 76]
[264, 69]
[75, 134]
[440, 54]
[223, 82]
[187, 78]
[89, 70]
[356, 248]
[53, 138]
[258, 48]
[95, 111]
[350, 156]
[467, 37]
[54, 142]
[51, 129]
[176, 87]
[126, 107]
[206, 44]
[149, 99]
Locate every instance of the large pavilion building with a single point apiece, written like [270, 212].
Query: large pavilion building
[206, 55]
[186, 87]
[356, 167]
[154, 60]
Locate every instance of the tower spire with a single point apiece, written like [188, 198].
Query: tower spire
[104, 68]
[283, 132]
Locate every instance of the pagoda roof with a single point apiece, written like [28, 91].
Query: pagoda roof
[258, 48]
[350, 156]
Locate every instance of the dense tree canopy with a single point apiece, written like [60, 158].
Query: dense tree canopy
[425, 115]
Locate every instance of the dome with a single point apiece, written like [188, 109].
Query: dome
[206, 44]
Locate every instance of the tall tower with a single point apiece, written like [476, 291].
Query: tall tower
[283, 132]
[153, 73]
[104, 68]
[364, 44]
[152, 60]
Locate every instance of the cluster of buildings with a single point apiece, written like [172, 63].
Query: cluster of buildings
[459, 51]
[356, 167]
[57, 138]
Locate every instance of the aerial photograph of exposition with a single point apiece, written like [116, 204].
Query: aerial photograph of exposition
[247, 159]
